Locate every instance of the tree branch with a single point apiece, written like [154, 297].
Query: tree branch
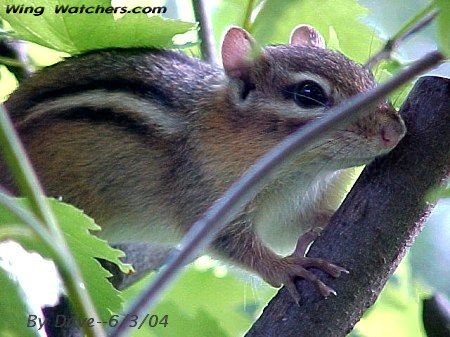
[375, 225]
[436, 316]
[417, 23]
[207, 45]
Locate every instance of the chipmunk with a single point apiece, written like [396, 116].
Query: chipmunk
[144, 140]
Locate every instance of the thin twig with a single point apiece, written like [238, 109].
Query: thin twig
[10, 62]
[20, 168]
[14, 55]
[417, 23]
[36, 226]
[22, 171]
[247, 24]
[241, 192]
[205, 32]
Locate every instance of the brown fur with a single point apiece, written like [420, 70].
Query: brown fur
[145, 140]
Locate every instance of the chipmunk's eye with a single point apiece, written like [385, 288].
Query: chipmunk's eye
[309, 94]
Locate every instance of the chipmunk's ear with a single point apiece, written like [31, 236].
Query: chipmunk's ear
[238, 52]
[305, 35]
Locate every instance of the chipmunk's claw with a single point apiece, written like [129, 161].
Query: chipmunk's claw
[292, 267]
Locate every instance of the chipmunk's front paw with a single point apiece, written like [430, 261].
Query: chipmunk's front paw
[289, 268]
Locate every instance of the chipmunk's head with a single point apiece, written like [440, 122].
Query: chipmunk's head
[278, 89]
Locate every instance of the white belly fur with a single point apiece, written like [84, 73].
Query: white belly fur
[287, 211]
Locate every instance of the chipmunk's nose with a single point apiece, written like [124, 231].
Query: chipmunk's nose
[392, 130]
[390, 135]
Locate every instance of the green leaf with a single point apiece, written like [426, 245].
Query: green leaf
[75, 33]
[443, 21]
[202, 324]
[233, 302]
[13, 310]
[276, 20]
[85, 247]
[437, 193]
